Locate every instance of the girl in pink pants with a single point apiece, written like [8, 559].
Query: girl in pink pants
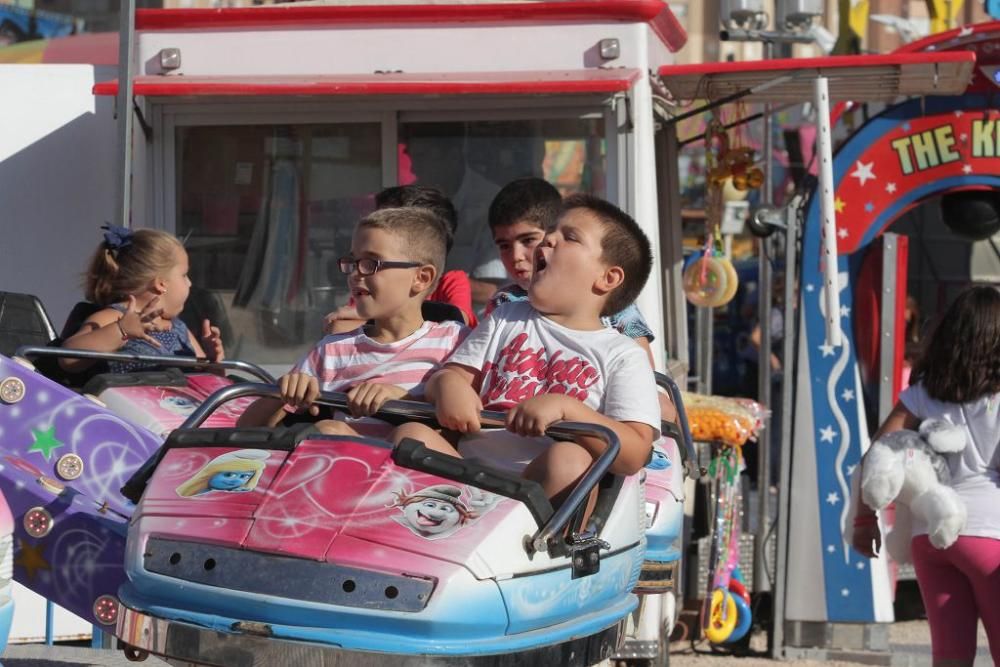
[957, 378]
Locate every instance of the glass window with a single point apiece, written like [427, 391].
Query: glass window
[265, 210]
[470, 161]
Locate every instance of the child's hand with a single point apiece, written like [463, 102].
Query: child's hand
[137, 324]
[458, 406]
[535, 415]
[300, 391]
[211, 341]
[368, 397]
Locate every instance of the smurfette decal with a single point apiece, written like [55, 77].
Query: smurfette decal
[439, 511]
[231, 472]
[178, 405]
[659, 459]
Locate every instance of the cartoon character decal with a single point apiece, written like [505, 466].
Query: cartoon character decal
[439, 511]
[231, 472]
[178, 405]
[659, 460]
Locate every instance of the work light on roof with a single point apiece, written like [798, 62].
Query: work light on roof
[796, 15]
[743, 14]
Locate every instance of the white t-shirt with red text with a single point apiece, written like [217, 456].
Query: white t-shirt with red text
[523, 354]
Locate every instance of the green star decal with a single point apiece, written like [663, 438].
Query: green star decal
[45, 442]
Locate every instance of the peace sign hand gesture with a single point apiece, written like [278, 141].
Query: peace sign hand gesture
[137, 324]
[211, 341]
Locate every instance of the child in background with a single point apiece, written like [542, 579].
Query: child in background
[519, 216]
[957, 378]
[453, 287]
[396, 257]
[141, 279]
[552, 358]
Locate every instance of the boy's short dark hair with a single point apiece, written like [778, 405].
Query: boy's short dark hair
[624, 244]
[422, 196]
[421, 230]
[531, 200]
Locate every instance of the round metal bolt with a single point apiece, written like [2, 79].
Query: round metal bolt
[11, 390]
[38, 522]
[106, 609]
[69, 467]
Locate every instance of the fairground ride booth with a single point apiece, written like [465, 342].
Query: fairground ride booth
[935, 136]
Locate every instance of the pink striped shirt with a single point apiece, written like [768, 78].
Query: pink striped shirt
[345, 360]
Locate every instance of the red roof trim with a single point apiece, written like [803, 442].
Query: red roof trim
[828, 62]
[491, 83]
[287, 14]
[955, 38]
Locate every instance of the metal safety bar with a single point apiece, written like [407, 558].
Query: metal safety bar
[543, 539]
[171, 361]
[664, 381]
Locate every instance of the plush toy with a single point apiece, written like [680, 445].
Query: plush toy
[909, 468]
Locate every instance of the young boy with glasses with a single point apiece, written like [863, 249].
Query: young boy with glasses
[396, 256]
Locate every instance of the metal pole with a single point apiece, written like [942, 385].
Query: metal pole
[828, 212]
[764, 289]
[887, 351]
[126, 56]
[49, 622]
[787, 403]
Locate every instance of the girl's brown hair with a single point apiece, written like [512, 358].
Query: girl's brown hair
[114, 274]
[961, 361]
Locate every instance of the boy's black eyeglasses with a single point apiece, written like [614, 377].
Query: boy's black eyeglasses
[366, 266]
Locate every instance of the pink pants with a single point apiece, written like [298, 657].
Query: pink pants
[959, 585]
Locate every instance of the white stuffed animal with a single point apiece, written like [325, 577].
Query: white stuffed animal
[908, 467]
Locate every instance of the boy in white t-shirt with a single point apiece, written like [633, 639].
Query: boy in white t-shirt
[396, 256]
[551, 359]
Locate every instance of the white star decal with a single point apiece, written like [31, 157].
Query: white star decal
[890, 187]
[864, 172]
[845, 592]
[842, 233]
[810, 287]
[830, 548]
[850, 469]
[827, 434]
[860, 565]
[826, 349]
[965, 31]
[844, 311]
[966, 168]
[833, 498]
[848, 395]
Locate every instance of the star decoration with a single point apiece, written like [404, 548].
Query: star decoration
[845, 592]
[838, 205]
[833, 498]
[810, 287]
[848, 395]
[845, 311]
[45, 441]
[850, 469]
[31, 559]
[827, 434]
[842, 233]
[863, 171]
[826, 349]
[830, 548]
[966, 168]
[890, 187]
[860, 565]
[965, 31]
[869, 207]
